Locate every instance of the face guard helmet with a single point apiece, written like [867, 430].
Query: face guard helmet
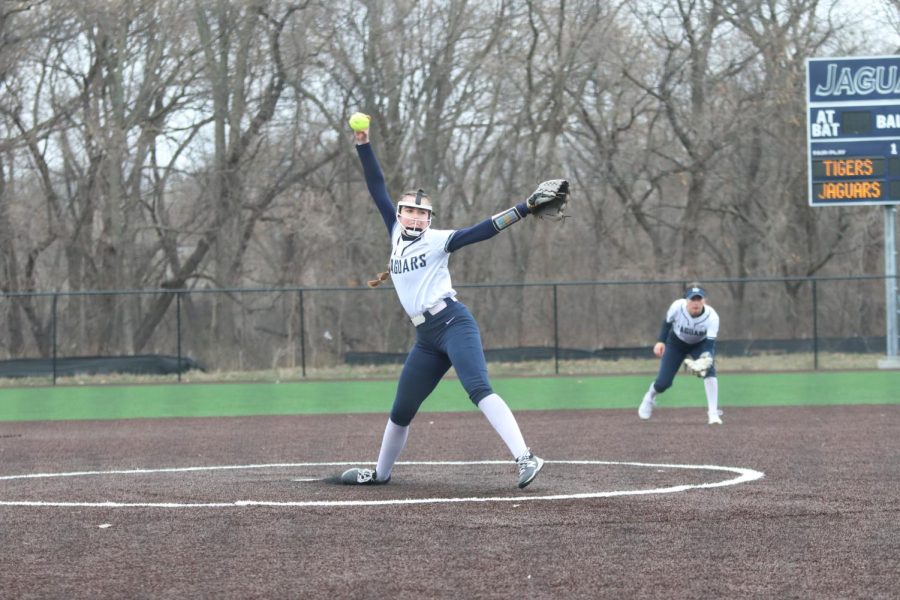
[421, 201]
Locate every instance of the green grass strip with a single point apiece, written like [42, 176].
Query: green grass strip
[539, 393]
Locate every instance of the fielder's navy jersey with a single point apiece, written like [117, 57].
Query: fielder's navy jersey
[692, 330]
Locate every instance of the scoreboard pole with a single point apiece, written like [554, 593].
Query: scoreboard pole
[853, 151]
[890, 287]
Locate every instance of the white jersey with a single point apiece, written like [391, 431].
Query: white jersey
[693, 329]
[419, 269]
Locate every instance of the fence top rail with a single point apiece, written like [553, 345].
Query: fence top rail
[297, 289]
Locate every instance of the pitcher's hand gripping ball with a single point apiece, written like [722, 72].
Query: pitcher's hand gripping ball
[549, 200]
[359, 121]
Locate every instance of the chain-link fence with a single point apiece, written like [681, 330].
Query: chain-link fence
[556, 327]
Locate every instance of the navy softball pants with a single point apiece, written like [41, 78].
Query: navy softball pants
[676, 352]
[450, 337]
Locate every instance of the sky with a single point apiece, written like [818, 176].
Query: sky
[879, 23]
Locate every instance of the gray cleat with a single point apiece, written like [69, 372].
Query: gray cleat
[361, 477]
[529, 466]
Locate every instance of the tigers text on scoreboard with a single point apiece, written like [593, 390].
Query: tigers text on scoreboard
[853, 130]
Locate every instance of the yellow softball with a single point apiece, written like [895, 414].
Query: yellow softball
[359, 121]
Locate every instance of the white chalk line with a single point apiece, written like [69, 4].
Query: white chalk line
[743, 476]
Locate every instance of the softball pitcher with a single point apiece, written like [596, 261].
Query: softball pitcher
[688, 335]
[446, 333]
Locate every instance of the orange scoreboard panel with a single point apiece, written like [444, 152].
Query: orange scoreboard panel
[853, 130]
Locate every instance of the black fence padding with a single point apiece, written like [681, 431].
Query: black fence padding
[854, 345]
[145, 364]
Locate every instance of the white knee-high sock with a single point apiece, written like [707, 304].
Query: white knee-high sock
[504, 423]
[712, 394]
[391, 445]
[652, 391]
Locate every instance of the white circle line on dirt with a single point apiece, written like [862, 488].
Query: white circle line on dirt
[743, 476]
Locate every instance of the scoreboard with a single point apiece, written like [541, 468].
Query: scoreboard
[853, 130]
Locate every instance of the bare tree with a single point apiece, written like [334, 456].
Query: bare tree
[156, 143]
[767, 199]
[246, 78]
[16, 31]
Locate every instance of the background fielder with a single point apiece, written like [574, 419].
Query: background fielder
[446, 332]
[688, 335]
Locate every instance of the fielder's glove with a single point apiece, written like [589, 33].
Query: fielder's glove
[549, 200]
[700, 367]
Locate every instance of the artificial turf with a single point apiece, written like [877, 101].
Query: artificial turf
[523, 393]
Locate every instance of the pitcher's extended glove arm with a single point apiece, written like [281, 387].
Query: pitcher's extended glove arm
[549, 200]
[701, 365]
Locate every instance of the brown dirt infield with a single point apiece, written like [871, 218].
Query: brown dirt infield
[824, 522]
